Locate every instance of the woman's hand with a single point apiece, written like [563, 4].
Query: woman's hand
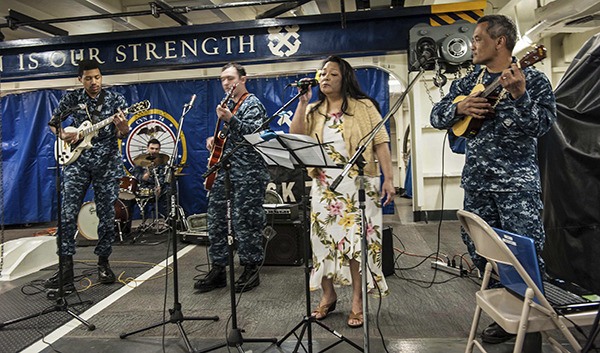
[305, 98]
[388, 191]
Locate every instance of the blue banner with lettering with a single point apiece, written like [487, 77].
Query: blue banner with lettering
[266, 40]
[28, 144]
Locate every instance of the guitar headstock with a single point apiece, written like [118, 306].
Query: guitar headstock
[138, 107]
[536, 55]
[229, 95]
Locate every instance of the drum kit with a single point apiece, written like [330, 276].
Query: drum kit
[129, 190]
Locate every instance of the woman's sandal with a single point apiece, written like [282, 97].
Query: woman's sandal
[322, 311]
[355, 320]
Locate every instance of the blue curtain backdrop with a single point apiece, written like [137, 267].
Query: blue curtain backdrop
[28, 144]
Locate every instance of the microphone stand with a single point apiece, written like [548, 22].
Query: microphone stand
[358, 160]
[177, 316]
[61, 301]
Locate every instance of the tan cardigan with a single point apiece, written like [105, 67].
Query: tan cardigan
[360, 119]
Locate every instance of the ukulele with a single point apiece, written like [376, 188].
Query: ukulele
[469, 126]
[220, 137]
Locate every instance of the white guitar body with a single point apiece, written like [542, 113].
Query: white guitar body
[69, 153]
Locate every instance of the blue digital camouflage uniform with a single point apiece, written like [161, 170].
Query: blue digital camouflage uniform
[138, 173]
[501, 178]
[101, 165]
[249, 178]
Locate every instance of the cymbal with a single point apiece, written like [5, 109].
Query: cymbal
[177, 175]
[146, 160]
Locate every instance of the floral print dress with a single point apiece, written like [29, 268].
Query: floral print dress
[336, 218]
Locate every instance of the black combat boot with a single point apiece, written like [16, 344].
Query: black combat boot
[105, 274]
[248, 280]
[216, 278]
[67, 276]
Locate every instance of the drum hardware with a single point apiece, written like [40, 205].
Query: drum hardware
[157, 225]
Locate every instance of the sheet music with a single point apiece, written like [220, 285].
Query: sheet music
[307, 148]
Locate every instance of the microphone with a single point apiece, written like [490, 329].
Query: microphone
[305, 83]
[80, 106]
[426, 50]
[191, 103]
[427, 54]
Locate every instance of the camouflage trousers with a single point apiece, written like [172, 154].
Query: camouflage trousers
[77, 178]
[516, 212]
[248, 217]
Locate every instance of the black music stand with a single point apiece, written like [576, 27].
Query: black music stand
[61, 301]
[290, 151]
[176, 315]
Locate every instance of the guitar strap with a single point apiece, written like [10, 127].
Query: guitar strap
[502, 93]
[237, 106]
[95, 114]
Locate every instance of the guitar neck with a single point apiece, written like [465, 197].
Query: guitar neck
[491, 88]
[101, 124]
[97, 126]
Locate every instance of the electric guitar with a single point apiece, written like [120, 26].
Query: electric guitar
[218, 143]
[469, 126]
[68, 153]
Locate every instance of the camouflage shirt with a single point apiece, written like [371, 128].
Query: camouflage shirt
[159, 171]
[502, 157]
[248, 118]
[105, 145]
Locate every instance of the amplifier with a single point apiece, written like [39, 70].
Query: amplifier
[286, 244]
[284, 211]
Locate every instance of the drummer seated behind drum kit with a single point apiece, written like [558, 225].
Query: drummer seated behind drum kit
[151, 189]
[132, 190]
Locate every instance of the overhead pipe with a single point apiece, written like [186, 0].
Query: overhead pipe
[151, 12]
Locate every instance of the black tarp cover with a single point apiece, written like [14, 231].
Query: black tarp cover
[570, 165]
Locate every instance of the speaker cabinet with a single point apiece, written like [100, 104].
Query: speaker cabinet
[285, 247]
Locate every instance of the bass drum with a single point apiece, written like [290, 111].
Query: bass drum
[87, 220]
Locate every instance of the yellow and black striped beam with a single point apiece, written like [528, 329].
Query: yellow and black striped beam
[447, 14]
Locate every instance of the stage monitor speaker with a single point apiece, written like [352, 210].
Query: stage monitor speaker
[285, 247]
[387, 252]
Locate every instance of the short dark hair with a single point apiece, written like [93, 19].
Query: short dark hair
[239, 68]
[500, 25]
[153, 142]
[85, 65]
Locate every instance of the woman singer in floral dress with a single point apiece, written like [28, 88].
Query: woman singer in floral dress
[342, 116]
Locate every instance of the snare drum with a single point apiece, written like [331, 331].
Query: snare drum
[145, 192]
[128, 188]
[87, 220]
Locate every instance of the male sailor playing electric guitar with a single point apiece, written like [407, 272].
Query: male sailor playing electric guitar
[101, 166]
[501, 178]
[244, 113]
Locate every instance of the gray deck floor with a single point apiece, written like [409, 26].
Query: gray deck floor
[415, 317]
